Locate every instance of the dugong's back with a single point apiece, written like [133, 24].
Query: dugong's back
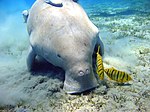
[54, 29]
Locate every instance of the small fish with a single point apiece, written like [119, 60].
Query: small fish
[117, 75]
[112, 73]
[99, 65]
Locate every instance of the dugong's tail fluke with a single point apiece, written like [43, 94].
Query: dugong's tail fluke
[25, 14]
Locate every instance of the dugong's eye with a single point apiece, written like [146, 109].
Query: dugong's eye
[58, 55]
[87, 71]
[80, 73]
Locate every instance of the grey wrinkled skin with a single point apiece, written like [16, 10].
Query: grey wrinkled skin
[65, 37]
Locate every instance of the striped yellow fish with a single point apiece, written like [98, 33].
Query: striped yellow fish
[117, 75]
[99, 65]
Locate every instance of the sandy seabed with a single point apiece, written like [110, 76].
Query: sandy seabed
[127, 47]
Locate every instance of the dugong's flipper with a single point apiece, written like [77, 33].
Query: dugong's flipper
[30, 59]
[25, 14]
[56, 3]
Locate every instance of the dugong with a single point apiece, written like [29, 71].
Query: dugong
[65, 37]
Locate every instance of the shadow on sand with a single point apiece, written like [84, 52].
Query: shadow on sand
[47, 69]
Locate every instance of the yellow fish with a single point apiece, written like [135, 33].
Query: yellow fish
[99, 65]
[117, 75]
[112, 73]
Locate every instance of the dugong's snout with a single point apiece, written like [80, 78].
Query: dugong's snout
[79, 79]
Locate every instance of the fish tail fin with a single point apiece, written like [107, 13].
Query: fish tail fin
[102, 77]
[130, 78]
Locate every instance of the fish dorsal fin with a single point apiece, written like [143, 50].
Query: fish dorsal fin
[113, 68]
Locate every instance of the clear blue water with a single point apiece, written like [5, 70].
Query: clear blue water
[8, 7]
[12, 27]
